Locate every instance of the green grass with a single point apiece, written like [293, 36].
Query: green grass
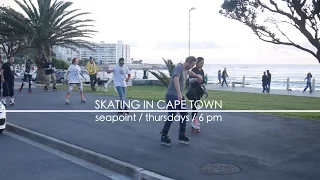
[233, 100]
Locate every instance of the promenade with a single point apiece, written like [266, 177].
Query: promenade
[257, 146]
[239, 88]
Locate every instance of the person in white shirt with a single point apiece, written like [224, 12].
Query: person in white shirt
[73, 76]
[121, 76]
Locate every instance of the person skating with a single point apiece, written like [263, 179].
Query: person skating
[50, 76]
[92, 70]
[73, 76]
[7, 79]
[174, 96]
[308, 85]
[121, 75]
[195, 93]
[27, 75]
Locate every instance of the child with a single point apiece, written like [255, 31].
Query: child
[74, 79]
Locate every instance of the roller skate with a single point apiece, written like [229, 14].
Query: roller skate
[30, 91]
[67, 102]
[54, 89]
[11, 102]
[195, 125]
[20, 90]
[46, 89]
[83, 101]
[165, 140]
[183, 139]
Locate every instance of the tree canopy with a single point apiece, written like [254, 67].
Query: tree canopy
[267, 17]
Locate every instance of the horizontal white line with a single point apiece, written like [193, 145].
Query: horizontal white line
[161, 111]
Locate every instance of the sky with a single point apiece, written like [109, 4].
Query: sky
[160, 29]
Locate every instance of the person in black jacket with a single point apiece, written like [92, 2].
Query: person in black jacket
[50, 76]
[27, 75]
[7, 78]
[268, 80]
[264, 82]
[196, 91]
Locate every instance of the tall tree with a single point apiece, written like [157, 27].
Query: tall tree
[49, 23]
[301, 15]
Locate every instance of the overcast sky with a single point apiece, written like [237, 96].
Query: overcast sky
[157, 29]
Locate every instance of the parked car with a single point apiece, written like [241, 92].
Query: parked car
[34, 75]
[3, 117]
[85, 74]
[60, 75]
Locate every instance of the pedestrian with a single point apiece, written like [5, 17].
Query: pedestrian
[264, 82]
[7, 79]
[224, 77]
[219, 76]
[196, 91]
[174, 99]
[121, 75]
[49, 67]
[27, 75]
[92, 69]
[73, 75]
[268, 80]
[308, 85]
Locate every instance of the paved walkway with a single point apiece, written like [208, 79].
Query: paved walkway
[259, 90]
[264, 147]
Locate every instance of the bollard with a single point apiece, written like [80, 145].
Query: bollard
[135, 74]
[288, 87]
[313, 85]
[243, 81]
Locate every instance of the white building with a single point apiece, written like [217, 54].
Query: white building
[108, 53]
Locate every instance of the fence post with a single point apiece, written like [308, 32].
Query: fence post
[288, 84]
[243, 81]
[313, 85]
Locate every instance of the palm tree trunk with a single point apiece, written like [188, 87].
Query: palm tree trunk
[40, 59]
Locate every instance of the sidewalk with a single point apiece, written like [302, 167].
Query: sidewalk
[260, 146]
[239, 88]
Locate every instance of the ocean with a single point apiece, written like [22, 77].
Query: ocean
[253, 74]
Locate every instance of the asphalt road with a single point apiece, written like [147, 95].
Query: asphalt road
[22, 159]
[264, 147]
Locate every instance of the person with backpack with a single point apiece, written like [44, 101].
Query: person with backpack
[196, 91]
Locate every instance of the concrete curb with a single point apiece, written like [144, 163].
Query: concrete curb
[104, 161]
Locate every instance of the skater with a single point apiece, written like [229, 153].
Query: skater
[73, 76]
[50, 76]
[264, 82]
[93, 70]
[174, 98]
[308, 78]
[219, 76]
[120, 81]
[7, 79]
[195, 93]
[268, 80]
[27, 75]
[224, 77]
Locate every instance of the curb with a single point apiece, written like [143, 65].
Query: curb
[104, 161]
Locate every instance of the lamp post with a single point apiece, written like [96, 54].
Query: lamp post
[189, 26]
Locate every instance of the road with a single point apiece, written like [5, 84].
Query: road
[23, 159]
[261, 146]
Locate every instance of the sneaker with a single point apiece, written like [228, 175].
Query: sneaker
[165, 140]
[11, 101]
[183, 139]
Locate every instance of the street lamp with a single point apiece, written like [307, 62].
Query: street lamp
[189, 26]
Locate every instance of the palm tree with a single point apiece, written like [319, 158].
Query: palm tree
[48, 24]
[161, 76]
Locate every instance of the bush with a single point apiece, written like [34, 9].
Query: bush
[60, 64]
